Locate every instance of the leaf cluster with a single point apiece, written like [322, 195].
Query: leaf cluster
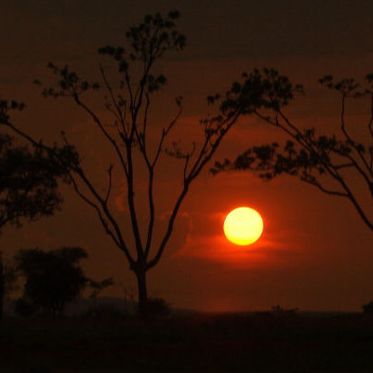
[28, 181]
[259, 89]
[68, 83]
[148, 40]
[6, 106]
[271, 160]
[349, 87]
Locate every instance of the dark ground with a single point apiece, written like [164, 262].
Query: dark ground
[265, 342]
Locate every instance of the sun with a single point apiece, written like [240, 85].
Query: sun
[243, 226]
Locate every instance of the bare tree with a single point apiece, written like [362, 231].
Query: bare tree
[125, 126]
[323, 161]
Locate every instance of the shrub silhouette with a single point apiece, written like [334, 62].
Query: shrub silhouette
[24, 307]
[368, 308]
[52, 279]
[155, 307]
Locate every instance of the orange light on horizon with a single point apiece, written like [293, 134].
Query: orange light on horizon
[243, 226]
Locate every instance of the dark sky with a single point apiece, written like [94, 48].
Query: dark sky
[315, 252]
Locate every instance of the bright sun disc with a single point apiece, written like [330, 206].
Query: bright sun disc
[243, 226]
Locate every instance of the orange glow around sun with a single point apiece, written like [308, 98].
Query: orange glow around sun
[243, 226]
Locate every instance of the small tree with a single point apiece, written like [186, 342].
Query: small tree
[52, 279]
[126, 126]
[323, 161]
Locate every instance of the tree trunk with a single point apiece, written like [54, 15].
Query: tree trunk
[2, 285]
[142, 290]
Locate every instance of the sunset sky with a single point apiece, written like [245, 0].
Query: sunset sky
[315, 252]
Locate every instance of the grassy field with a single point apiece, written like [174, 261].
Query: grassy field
[195, 343]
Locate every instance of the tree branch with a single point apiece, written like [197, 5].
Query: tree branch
[98, 122]
[316, 183]
[108, 190]
[352, 142]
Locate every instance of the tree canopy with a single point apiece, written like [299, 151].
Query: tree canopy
[29, 174]
[28, 183]
[323, 161]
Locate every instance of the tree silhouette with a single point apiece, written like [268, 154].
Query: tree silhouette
[126, 125]
[52, 278]
[323, 161]
[28, 182]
